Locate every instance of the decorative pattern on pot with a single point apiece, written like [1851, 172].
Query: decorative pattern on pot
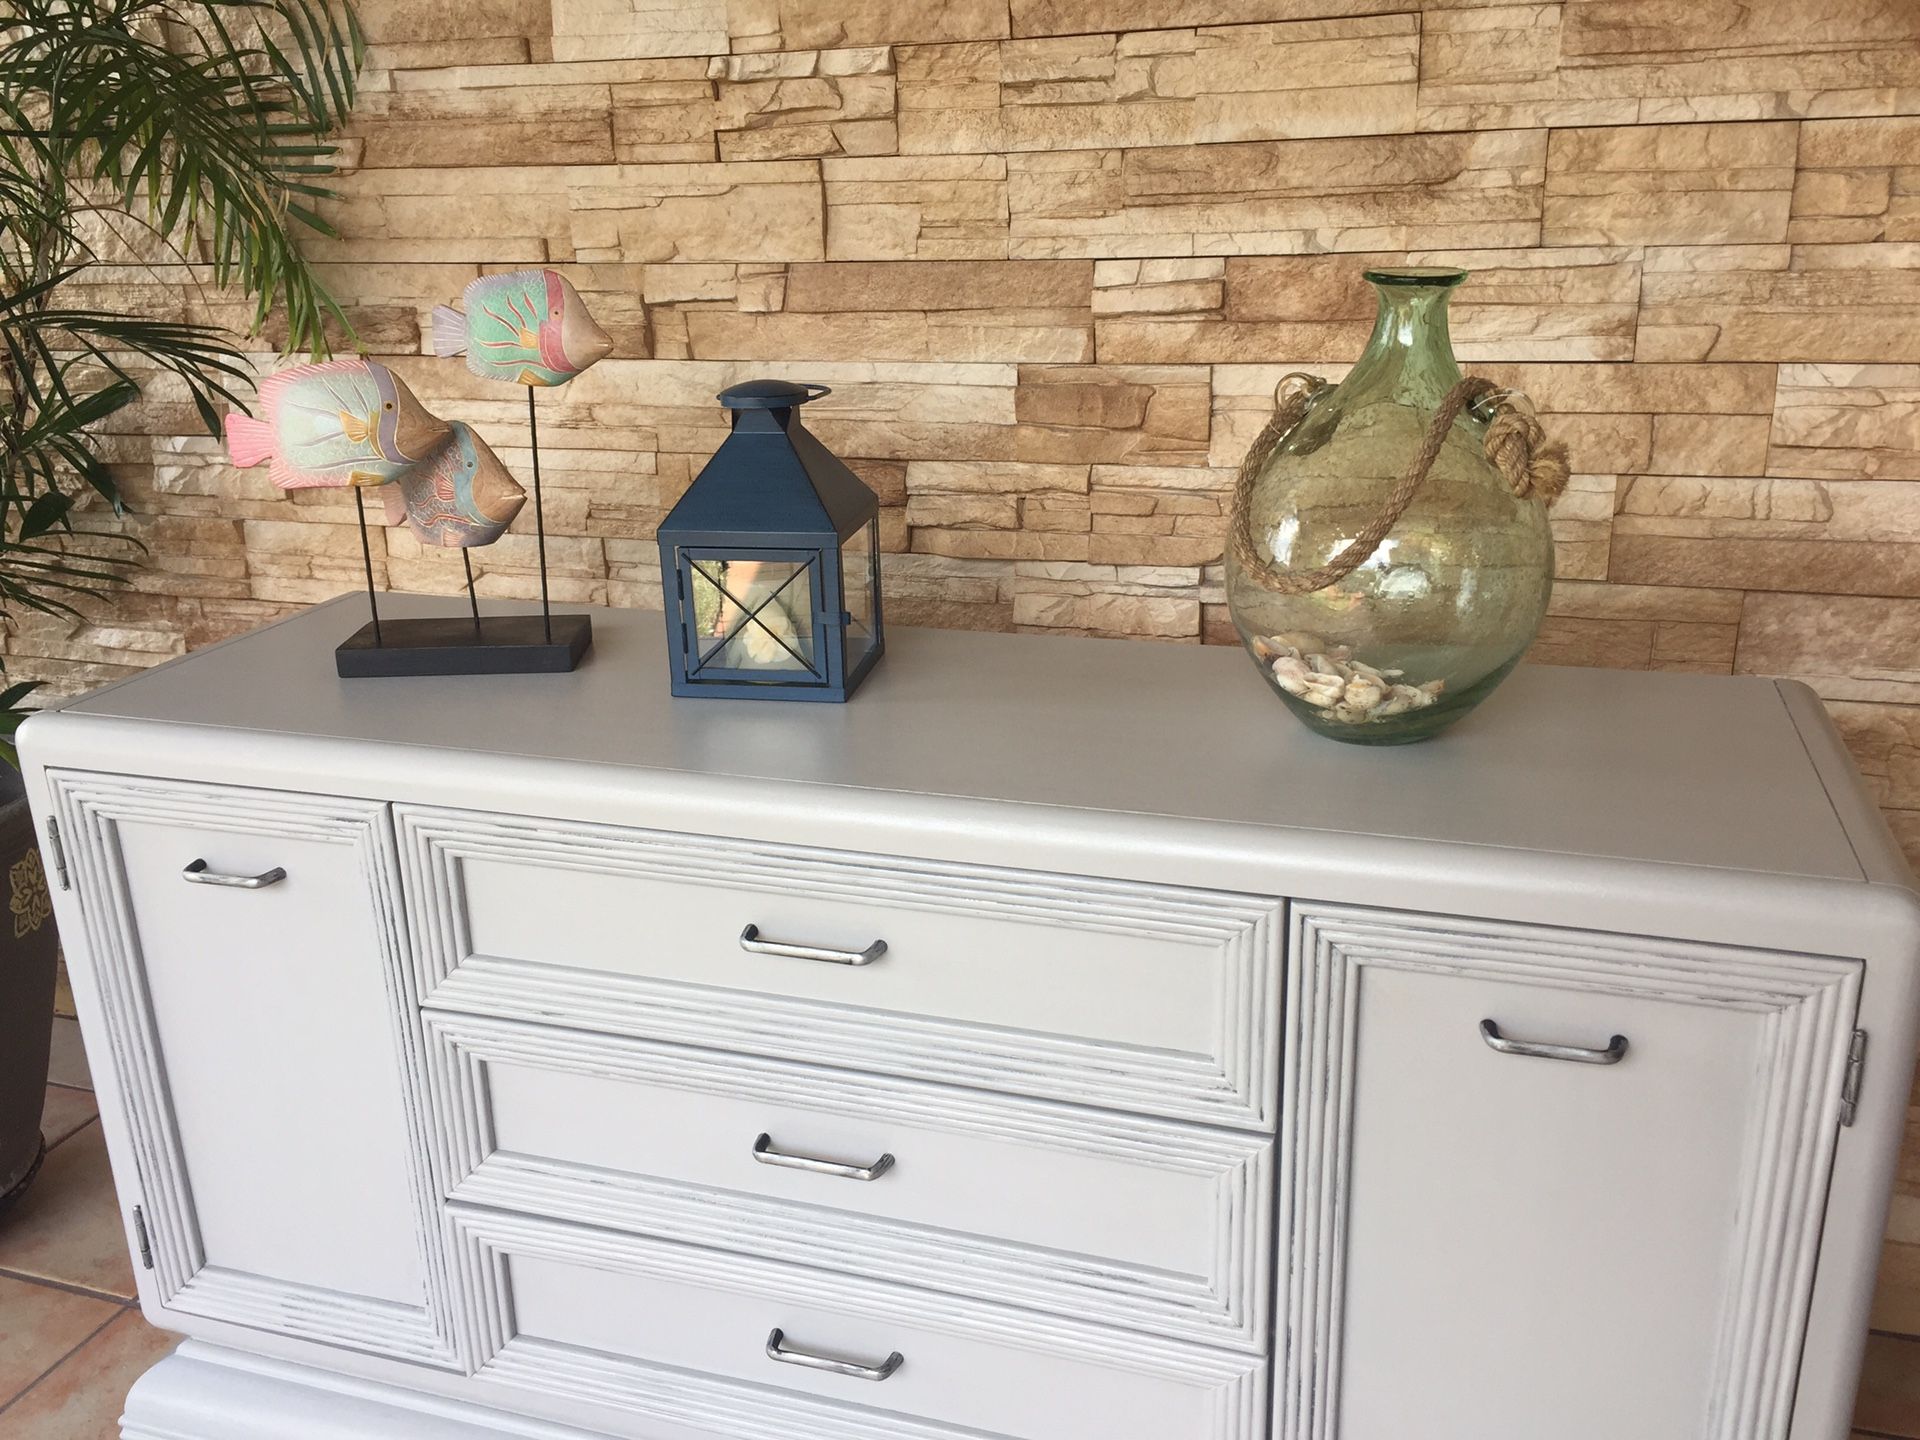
[27, 895]
[1389, 559]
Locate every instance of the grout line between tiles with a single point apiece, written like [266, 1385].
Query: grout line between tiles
[78, 1129]
[72, 1289]
[33, 1384]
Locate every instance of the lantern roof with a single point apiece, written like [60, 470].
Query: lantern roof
[771, 477]
[769, 395]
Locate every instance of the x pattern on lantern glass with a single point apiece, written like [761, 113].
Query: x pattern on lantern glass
[751, 614]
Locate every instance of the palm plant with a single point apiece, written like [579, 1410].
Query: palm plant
[191, 132]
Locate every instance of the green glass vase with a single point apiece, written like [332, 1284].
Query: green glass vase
[1425, 628]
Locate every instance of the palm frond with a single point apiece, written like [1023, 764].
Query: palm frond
[210, 124]
[220, 136]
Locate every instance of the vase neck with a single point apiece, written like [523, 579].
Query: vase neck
[1409, 359]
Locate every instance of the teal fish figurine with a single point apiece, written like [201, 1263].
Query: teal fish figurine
[461, 495]
[527, 326]
[335, 423]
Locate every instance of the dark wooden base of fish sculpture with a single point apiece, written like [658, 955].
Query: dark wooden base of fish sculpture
[463, 645]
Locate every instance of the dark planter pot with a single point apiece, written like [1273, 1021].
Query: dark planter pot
[29, 951]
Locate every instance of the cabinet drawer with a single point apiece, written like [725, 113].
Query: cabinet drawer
[679, 1335]
[1613, 1237]
[1151, 998]
[1147, 1224]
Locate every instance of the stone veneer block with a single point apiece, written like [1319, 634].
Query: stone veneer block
[1097, 614]
[510, 125]
[765, 25]
[1568, 304]
[1624, 62]
[1283, 196]
[1859, 180]
[1161, 87]
[941, 285]
[503, 214]
[1844, 421]
[1062, 335]
[1669, 184]
[1848, 647]
[1641, 27]
[1078, 17]
[1113, 414]
[619, 29]
[770, 210]
[916, 207]
[406, 22]
[1839, 303]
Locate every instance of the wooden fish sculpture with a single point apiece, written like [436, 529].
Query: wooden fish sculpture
[339, 422]
[527, 326]
[461, 495]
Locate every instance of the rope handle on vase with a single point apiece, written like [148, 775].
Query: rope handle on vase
[1533, 466]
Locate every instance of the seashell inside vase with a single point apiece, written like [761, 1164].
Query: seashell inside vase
[1437, 613]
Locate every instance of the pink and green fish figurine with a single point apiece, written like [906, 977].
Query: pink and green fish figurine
[527, 326]
[461, 495]
[339, 422]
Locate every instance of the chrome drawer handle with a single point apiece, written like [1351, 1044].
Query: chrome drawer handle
[764, 1152]
[1614, 1053]
[198, 873]
[776, 1350]
[750, 941]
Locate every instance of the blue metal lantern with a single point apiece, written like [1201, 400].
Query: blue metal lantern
[770, 563]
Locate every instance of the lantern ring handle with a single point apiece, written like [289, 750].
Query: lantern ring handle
[814, 389]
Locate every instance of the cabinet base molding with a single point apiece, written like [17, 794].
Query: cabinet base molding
[204, 1392]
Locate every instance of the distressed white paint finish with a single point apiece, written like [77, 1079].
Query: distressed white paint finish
[262, 1036]
[1154, 998]
[1093, 1009]
[988, 1196]
[565, 1307]
[1483, 1246]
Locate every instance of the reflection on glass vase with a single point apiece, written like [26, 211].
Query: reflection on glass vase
[1435, 615]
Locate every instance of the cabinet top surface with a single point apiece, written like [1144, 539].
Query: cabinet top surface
[1686, 769]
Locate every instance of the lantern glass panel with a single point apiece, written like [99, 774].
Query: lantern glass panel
[753, 615]
[857, 566]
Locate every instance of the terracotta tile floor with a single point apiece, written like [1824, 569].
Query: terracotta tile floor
[72, 1341]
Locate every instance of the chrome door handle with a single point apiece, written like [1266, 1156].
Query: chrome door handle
[1580, 1055]
[198, 873]
[764, 1152]
[776, 1350]
[750, 941]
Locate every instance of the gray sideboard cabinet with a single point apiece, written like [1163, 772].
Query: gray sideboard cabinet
[1056, 1043]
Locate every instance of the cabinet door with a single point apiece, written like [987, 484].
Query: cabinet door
[1615, 1238]
[258, 1039]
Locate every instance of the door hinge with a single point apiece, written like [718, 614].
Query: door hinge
[1850, 1085]
[140, 1234]
[59, 854]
